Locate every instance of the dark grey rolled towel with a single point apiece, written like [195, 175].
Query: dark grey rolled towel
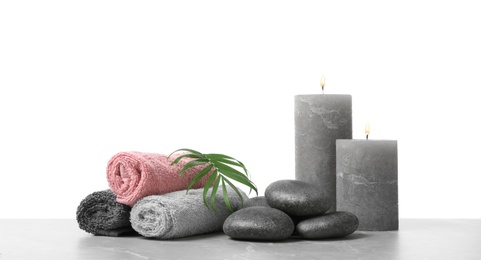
[100, 214]
[177, 214]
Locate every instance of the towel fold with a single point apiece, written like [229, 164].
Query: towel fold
[177, 214]
[101, 215]
[134, 175]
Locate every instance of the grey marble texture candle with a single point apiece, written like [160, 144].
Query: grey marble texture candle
[319, 121]
[367, 182]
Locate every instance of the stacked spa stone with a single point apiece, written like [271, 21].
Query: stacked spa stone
[289, 207]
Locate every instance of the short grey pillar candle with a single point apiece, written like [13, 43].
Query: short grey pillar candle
[367, 182]
[319, 121]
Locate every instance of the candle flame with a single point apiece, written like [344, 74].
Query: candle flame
[367, 130]
[323, 82]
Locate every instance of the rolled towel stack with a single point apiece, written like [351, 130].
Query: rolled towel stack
[135, 175]
[177, 214]
[100, 214]
[156, 191]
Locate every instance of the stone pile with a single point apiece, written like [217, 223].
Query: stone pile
[290, 207]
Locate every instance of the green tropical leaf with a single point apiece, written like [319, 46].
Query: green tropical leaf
[200, 175]
[226, 196]
[235, 189]
[218, 155]
[214, 191]
[187, 155]
[235, 175]
[227, 158]
[224, 167]
[208, 183]
[192, 164]
[227, 161]
[223, 171]
[246, 182]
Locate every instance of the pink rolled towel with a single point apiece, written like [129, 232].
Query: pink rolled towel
[134, 175]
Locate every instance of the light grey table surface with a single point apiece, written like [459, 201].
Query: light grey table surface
[416, 239]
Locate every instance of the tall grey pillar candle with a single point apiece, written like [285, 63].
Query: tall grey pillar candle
[367, 182]
[319, 121]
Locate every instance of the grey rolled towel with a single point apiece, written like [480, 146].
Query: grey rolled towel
[100, 214]
[177, 214]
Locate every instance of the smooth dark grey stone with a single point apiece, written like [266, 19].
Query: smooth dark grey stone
[297, 198]
[259, 223]
[367, 182]
[330, 225]
[256, 201]
[319, 121]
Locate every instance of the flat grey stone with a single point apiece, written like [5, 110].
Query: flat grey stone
[330, 225]
[297, 198]
[259, 223]
[256, 201]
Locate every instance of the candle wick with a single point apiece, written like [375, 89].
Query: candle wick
[367, 136]
[322, 89]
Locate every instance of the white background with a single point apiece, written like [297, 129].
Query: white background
[83, 80]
